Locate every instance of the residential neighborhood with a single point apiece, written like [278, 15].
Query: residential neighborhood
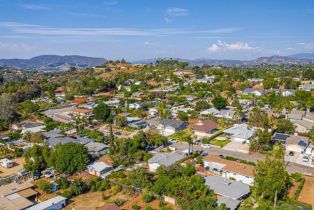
[156, 105]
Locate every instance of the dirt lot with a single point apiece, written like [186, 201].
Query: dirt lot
[307, 194]
[138, 201]
[18, 165]
[93, 200]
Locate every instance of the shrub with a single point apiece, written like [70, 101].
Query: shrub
[44, 185]
[147, 198]
[136, 207]
[119, 202]
[148, 208]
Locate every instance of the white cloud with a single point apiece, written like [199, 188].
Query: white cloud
[307, 46]
[21, 28]
[168, 20]
[177, 12]
[34, 7]
[214, 48]
[223, 46]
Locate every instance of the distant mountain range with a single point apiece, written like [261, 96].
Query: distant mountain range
[298, 59]
[52, 62]
[56, 62]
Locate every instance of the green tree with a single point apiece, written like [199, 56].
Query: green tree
[29, 107]
[219, 102]
[69, 158]
[285, 126]
[201, 105]
[36, 158]
[102, 112]
[271, 180]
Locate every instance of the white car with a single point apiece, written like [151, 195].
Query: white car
[305, 159]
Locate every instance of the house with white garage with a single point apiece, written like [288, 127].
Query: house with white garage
[253, 91]
[230, 169]
[164, 159]
[168, 127]
[240, 132]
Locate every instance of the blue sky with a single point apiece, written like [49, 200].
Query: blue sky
[140, 29]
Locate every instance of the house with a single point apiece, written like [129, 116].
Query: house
[165, 159]
[255, 80]
[229, 192]
[59, 92]
[55, 203]
[230, 169]
[280, 138]
[138, 125]
[296, 145]
[252, 91]
[32, 128]
[153, 112]
[96, 149]
[168, 127]
[16, 196]
[240, 132]
[295, 115]
[182, 72]
[79, 100]
[303, 120]
[82, 112]
[205, 128]
[223, 113]
[136, 105]
[307, 87]
[54, 141]
[6, 163]
[113, 103]
[287, 92]
[206, 79]
[98, 168]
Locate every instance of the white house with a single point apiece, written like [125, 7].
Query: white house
[56, 203]
[32, 128]
[6, 163]
[240, 132]
[98, 168]
[252, 91]
[152, 111]
[230, 169]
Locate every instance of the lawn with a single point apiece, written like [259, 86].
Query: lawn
[219, 143]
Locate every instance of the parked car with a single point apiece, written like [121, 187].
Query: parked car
[305, 159]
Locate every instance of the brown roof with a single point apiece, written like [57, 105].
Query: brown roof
[106, 159]
[27, 193]
[232, 166]
[14, 188]
[109, 206]
[15, 202]
[80, 100]
[82, 111]
[205, 126]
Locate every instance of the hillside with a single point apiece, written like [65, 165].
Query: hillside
[52, 62]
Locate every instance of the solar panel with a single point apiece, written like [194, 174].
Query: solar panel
[280, 137]
[302, 143]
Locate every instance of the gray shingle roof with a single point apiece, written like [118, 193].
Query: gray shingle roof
[230, 203]
[173, 123]
[166, 159]
[227, 188]
[242, 131]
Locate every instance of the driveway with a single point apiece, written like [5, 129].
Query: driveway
[237, 147]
